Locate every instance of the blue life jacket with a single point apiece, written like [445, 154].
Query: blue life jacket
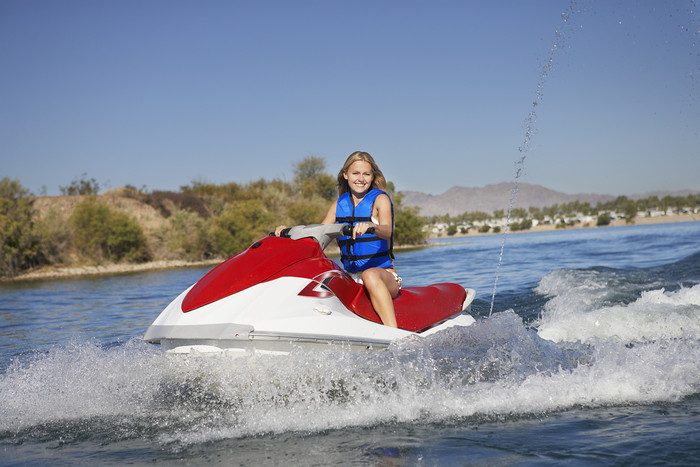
[367, 251]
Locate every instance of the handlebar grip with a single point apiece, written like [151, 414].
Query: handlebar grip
[283, 233]
[347, 230]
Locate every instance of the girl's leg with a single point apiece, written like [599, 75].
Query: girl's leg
[382, 287]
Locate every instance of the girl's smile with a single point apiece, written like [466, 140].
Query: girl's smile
[359, 176]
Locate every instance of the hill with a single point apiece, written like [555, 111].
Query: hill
[490, 198]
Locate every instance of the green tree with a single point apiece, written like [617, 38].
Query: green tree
[643, 205]
[19, 246]
[653, 202]
[535, 212]
[102, 233]
[476, 216]
[307, 211]
[408, 226]
[629, 208]
[81, 186]
[206, 190]
[692, 201]
[187, 236]
[240, 225]
[518, 212]
[551, 211]
[55, 237]
[311, 179]
[586, 208]
[666, 203]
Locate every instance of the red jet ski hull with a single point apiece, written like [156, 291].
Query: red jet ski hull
[416, 308]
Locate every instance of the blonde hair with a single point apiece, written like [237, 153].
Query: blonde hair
[378, 180]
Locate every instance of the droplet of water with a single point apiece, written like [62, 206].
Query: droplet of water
[558, 44]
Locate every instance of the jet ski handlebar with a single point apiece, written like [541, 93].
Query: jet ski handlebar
[322, 233]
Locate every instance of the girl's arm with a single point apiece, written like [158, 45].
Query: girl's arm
[330, 215]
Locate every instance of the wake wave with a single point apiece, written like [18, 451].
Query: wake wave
[497, 368]
[633, 306]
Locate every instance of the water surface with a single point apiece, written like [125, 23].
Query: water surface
[592, 356]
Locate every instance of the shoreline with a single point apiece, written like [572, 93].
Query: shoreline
[64, 272]
[672, 219]
[67, 272]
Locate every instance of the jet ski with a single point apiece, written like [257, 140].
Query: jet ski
[284, 293]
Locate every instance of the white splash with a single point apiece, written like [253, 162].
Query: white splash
[498, 367]
[579, 311]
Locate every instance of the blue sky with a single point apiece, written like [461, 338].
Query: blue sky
[161, 93]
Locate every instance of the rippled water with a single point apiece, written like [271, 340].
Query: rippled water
[592, 356]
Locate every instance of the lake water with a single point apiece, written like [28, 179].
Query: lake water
[591, 356]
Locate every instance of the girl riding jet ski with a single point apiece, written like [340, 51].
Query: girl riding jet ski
[283, 292]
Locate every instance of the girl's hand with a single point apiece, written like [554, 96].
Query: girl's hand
[361, 229]
[279, 230]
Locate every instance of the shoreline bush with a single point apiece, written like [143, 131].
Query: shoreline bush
[103, 233]
[19, 245]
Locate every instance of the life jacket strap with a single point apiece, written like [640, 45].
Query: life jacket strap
[343, 241]
[352, 220]
[359, 257]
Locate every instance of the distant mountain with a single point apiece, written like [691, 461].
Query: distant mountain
[489, 198]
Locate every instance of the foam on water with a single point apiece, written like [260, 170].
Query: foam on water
[496, 368]
[585, 307]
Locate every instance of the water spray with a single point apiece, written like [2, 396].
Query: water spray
[557, 45]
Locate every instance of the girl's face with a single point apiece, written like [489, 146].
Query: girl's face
[359, 176]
